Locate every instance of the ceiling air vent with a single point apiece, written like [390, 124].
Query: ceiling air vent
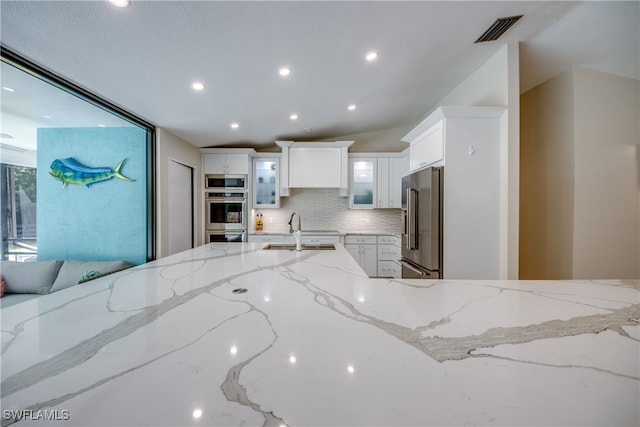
[498, 28]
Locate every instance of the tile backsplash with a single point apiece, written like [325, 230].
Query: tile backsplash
[324, 209]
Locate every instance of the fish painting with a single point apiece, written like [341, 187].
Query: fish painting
[70, 171]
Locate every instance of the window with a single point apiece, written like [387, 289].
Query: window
[45, 118]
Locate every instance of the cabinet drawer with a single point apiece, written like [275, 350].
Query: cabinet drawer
[388, 252]
[389, 269]
[257, 238]
[358, 239]
[311, 239]
[389, 240]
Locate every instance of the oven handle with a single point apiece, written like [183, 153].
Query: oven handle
[226, 199]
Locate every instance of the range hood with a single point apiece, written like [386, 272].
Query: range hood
[314, 165]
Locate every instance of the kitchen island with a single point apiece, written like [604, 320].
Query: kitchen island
[231, 334]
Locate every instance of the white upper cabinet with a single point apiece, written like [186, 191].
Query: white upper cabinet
[389, 181]
[266, 182]
[363, 183]
[427, 148]
[226, 161]
[376, 180]
[314, 165]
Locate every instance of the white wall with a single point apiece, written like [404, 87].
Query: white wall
[170, 147]
[580, 192]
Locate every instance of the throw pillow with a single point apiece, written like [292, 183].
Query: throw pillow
[73, 272]
[29, 277]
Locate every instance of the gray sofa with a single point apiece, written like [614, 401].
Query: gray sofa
[27, 280]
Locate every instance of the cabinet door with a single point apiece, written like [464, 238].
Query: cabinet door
[398, 167]
[369, 260]
[354, 251]
[237, 164]
[363, 183]
[214, 164]
[266, 177]
[226, 164]
[383, 182]
[428, 148]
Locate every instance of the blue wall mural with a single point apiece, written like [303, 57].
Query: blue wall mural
[105, 220]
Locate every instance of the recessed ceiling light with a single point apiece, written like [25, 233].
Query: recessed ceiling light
[284, 71]
[293, 117]
[351, 107]
[120, 3]
[371, 56]
[235, 125]
[8, 89]
[197, 85]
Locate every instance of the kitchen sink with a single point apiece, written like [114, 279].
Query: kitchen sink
[292, 247]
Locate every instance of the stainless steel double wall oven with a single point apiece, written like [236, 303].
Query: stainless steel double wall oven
[226, 207]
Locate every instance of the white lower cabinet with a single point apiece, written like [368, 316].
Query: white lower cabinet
[389, 254]
[364, 249]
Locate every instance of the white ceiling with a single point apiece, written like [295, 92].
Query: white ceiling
[145, 57]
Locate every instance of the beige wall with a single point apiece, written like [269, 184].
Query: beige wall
[546, 180]
[606, 216]
[170, 147]
[580, 215]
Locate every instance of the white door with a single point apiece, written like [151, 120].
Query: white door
[180, 227]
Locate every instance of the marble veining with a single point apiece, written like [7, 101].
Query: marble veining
[314, 341]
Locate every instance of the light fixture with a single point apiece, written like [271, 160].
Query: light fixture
[120, 3]
[197, 86]
[293, 117]
[8, 89]
[351, 369]
[351, 107]
[235, 125]
[292, 359]
[371, 56]
[233, 350]
[197, 413]
[284, 71]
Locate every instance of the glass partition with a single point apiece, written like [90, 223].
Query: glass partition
[50, 129]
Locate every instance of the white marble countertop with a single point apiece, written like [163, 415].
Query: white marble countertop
[314, 342]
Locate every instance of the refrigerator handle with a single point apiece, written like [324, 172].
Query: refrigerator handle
[412, 216]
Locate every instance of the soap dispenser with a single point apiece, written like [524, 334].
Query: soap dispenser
[259, 222]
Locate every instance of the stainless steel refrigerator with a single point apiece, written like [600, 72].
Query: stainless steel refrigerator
[422, 208]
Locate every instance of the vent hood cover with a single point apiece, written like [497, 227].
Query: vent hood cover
[498, 28]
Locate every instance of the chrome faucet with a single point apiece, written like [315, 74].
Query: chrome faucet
[294, 213]
[298, 233]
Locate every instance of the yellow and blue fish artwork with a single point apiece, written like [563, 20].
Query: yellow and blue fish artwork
[70, 171]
